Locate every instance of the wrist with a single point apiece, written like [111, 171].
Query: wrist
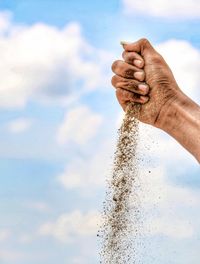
[167, 118]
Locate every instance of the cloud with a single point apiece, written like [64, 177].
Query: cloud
[26, 238]
[70, 225]
[80, 125]
[156, 146]
[185, 68]
[81, 173]
[173, 228]
[5, 21]
[11, 256]
[4, 234]
[19, 125]
[164, 8]
[167, 207]
[38, 206]
[166, 194]
[89, 170]
[45, 63]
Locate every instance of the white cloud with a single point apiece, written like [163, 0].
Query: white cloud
[164, 8]
[167, 206]
[5, 22]
[38, 206]
[80, 125]
[25, 238]
[172, 227]
[166, 194]
[42, 62]
[4, 234]
[71, 177]
[19, 125]
[158, 146]
[184, 61]
[11, 255]
[70, 225]
[89, 170]
[83, 173]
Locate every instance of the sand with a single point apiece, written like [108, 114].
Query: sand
[120, 230]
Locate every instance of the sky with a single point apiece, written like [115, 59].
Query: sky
[58, 125]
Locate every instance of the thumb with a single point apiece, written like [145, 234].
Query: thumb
[141, 46]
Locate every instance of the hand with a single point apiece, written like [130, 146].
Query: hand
[162, 88]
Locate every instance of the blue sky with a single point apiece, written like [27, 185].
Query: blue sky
[58, 127]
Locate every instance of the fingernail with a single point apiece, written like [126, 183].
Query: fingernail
[138, 63]
[144, 99]
[139, 75]
[143, 88]
[124, 42]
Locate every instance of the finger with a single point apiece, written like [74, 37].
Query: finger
[125, 97]
[133, 58]
[126, 70]
[141, 46]
[131, 85]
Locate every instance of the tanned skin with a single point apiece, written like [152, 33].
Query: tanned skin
[144, 77]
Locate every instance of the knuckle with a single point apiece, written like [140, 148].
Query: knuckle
[124, 94]
[118, 93]
[130, 84]
[113, 80]
[133, 84]
[129, 73]
[144, 41]
[128, 58]
[157, 59]
[115, 65]
[117, 81]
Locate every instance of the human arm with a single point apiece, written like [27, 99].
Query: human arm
[181, 120]
[168, 108]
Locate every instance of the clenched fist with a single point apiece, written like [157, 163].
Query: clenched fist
[145, 77]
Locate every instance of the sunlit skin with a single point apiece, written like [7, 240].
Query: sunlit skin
[144, 77]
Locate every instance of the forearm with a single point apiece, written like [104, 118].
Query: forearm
[181, 120]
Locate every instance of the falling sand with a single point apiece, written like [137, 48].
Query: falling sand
[120, 230]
